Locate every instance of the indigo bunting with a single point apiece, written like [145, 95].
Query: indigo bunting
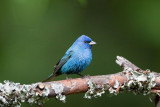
[76, 58]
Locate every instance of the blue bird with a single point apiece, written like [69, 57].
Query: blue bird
[76, 58]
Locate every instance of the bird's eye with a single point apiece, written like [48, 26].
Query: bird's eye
[85, 42]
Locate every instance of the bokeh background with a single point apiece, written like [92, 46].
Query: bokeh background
[34, 35]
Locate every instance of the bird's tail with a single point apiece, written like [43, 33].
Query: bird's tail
[50, 78]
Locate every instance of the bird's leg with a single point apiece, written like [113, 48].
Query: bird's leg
[80, 75]
[67, 77]
[84, 76]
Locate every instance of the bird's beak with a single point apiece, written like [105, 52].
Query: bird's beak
[92, 43]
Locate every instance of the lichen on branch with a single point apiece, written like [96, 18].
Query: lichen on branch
[132, 79]
[13, 94]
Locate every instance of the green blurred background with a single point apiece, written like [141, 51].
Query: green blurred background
[34, 35]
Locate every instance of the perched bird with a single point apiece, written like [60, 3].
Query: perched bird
[76, 58]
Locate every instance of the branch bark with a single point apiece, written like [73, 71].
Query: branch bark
[132, 78]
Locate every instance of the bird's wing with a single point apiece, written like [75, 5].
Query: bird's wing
[60, 63]
[58, 66]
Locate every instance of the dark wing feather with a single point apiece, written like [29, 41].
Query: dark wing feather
[60, 63]
[58, 66]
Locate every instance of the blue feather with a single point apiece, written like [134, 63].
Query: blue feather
[76, 58]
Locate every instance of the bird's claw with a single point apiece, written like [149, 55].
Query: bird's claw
[86, 76]
[67, 78]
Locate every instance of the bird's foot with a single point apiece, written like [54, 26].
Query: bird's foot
[80, 75]
[67, 78]
[86, 76]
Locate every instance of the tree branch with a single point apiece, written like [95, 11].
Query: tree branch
[132, 79]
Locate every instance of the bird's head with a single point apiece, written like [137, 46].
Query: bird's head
[85, 41]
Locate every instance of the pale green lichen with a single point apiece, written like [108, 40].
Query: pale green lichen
[139, 82]
[58, 89]
[112, 90]
[13, 94]
[116, 85]
[93, 91]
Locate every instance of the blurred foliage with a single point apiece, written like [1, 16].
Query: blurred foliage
[34, 35]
